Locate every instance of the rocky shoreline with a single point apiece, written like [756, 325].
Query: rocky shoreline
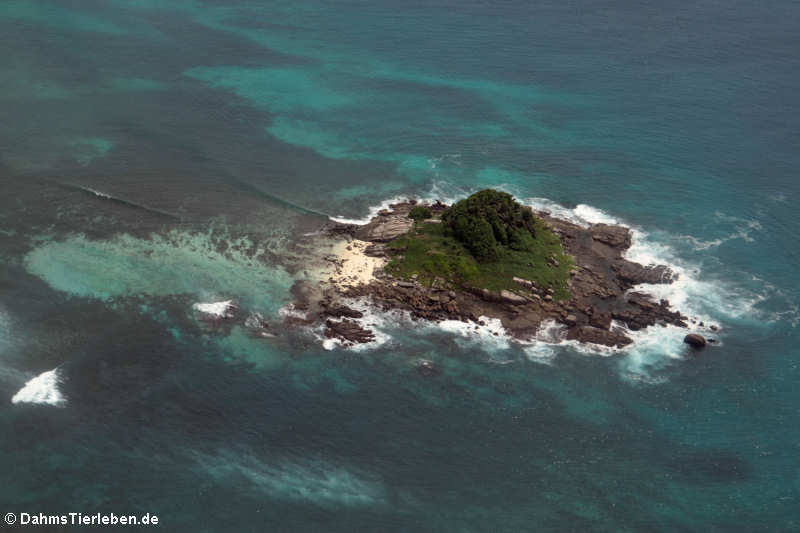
[599, 283]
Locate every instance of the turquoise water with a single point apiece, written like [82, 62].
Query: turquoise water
[154, 155]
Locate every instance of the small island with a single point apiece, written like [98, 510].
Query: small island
[484, 257]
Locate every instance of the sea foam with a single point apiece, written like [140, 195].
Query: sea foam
[42, 389]
[313, 481]
[223, 309]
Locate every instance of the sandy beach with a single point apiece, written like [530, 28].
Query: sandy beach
[349, 266]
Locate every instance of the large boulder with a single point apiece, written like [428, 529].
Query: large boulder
[336, 310]
[512, 298]
[614, 236]
[634, 273]
[695, 340]
[384, 228]
[348, 330]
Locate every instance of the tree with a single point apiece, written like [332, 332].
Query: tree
[420, 213]
[488, 221]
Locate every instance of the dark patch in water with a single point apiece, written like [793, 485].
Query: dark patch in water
[715, 465]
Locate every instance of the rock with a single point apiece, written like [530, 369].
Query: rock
[427, 368]
[348, 330]
[634, 273]
[376, 249]
[384, 228]
[600, 320]
[695, 340]
[598, 336]
[570, 320]
[713, 327]
[338, 311]
[548, 297]
[528, 284]
[511, 298]
[614, 236]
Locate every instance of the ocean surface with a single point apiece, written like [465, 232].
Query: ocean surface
[159, 154]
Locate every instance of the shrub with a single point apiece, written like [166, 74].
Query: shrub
[489, 220]
[419, 213]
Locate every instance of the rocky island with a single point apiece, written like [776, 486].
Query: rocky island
[485, 257]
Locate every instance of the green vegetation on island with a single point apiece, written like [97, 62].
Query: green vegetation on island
[483, 241]
[420, 212]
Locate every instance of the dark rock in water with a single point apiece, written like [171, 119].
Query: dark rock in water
[598, 336]
[427, 368]
[634, 273]
[338, 311]
[693, 339]
[348, 330]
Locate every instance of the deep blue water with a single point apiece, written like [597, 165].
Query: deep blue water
[219, 132]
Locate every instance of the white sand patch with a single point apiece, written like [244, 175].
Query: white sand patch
[350, 266]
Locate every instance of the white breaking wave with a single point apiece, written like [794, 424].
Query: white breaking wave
[41, 389]
[373, 211]
[289, 311]
[439, 191]
[99, 193]
[743, 230]
[492, 334]
[224, 309]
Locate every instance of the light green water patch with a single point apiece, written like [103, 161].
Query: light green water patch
[309, 135]
[519, 103]
[277, 89]
[137, 84]
[57, 16]
[205, 266]
[337, 145]
[241, 345]
[88, 149]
